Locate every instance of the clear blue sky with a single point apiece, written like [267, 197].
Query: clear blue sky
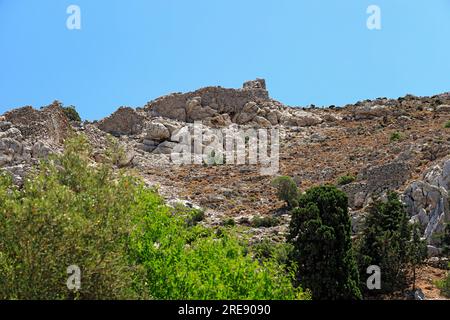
[130, 52]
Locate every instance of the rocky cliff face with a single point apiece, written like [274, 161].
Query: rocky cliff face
[386, 144]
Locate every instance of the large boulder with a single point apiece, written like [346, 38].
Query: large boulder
[156, 131]
[125, 121]
[248, 113]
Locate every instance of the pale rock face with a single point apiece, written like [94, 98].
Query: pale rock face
[300, 118]
[427, 201]
[443, 108]
[40, 150]
[125, 121]
[157, 131]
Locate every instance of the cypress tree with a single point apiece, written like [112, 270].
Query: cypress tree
[320, 232]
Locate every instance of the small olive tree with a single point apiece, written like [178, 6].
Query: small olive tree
[286, 190]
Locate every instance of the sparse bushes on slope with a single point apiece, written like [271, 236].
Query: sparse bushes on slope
[447, 124]
[320, 232]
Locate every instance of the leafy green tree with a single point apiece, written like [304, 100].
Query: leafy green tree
[185, 261]
[68, 213]
[390, 242]
[320, 232]
[71, 113]
[286, 190]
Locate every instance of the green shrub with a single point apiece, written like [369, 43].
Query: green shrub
[447, 124]
[264, 222]
[68, 213]
[320, 232]
[267, 249]
[192, 262]
[71, 113]
[229, 222]
[396, 136]
[390, 242]
[115, 152]
[347, 179]
[444, 285]
[286, 190]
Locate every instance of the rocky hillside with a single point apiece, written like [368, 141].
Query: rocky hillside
[380, 145]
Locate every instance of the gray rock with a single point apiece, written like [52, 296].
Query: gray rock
[427, 200]
[443, 108]
[5, 125]
[156, 131]
[196, 112]
[433, 251]
[273, 117]
[165, 148]
[248, 113]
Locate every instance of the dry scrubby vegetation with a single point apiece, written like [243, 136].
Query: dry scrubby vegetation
[126, 241]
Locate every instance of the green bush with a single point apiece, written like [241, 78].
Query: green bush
[396, 136]
[264, 222]
[229, 222]
[320, 232]
[444, 285]
[286, 190]
[347, 179]
[267, 249]
[68, 213]
[192, 262]
[390, 242]
[71, 113]
[447, 124]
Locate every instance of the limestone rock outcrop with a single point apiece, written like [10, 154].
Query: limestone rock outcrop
[427, 200]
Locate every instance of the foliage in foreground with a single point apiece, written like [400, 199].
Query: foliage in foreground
[183, 262]
[127, 243]
[320, 232]
[67, 213]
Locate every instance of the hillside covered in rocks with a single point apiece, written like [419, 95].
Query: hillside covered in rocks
[384, 144]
